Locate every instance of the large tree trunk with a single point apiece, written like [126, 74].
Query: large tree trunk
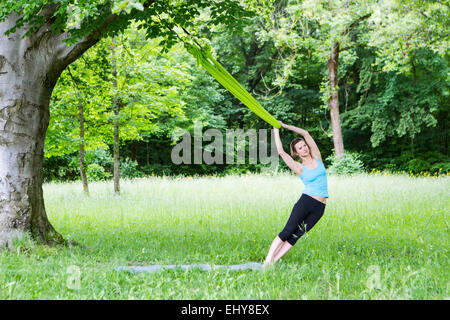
[333, 103]
[27, 78]
[24, 118]
[29, 69]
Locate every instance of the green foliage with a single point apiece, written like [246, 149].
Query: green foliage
[95, 172]
[349, 164]
[61, 168]
[441, 167]
[83, 84]
[101, 157]
[99, 164]
[416, 162]
[80, 18]
[417, 165]
[393, 104]
[396, 119]
[401, 27]
[157, 169]
[129, 169]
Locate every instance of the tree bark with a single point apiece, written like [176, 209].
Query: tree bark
[82, 149]
[116, 107]
[27, 78]
[29, 69]
[333, 102]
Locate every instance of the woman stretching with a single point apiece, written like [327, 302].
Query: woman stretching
[311, 205]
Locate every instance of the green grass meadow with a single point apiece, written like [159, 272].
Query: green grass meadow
[381, 237]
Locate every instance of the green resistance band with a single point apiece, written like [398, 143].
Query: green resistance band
[204, 58]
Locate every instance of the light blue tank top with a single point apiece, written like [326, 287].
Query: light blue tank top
[315, 180]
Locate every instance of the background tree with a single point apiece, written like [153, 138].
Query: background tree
[78, 109]
[329, 29]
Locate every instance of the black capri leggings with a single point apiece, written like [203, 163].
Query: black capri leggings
[305, 214]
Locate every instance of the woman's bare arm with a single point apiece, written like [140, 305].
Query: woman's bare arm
[291, 163]
[315, 152]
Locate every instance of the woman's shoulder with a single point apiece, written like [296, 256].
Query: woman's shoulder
[318, 158]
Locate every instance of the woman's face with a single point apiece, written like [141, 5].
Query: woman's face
[301, 148]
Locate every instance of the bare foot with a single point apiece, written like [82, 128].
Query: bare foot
[267, 264]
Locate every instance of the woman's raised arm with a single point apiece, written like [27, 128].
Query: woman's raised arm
[291, 163]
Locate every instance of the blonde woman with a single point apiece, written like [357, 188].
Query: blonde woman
[311, 205]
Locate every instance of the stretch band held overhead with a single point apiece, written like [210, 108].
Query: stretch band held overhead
[216, 70]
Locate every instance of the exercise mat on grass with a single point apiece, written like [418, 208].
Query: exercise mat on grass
[204, 267]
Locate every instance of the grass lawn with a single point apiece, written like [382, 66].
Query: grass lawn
[381, 237]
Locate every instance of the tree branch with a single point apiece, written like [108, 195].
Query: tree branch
[355, 23]
[350, 47]
[67, 54]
